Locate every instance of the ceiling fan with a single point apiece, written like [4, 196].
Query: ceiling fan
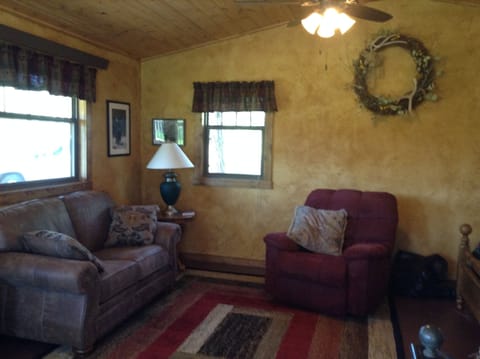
[354, 8]
[328, 16]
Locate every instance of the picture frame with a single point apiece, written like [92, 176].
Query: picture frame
[118, 128]
[168, 129]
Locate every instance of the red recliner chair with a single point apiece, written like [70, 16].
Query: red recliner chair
[354, 282]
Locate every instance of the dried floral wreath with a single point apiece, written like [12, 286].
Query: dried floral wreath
[422, 85]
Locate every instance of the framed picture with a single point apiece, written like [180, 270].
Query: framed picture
[168, 129]
[118, 128]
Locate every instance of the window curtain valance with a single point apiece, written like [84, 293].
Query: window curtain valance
[27, 69]
[234, 96]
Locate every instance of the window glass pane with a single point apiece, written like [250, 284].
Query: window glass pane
[243, 118]
[37, 150]
[258, 118]
[34, 103]
[235, 152]
[214, 118]
[229, 118]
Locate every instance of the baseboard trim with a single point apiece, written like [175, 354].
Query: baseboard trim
[223, 264]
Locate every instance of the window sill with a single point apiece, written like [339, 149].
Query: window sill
[230, 182]
[25, 194]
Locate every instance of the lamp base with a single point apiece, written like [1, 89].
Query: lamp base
[170, 211]
[170, 191]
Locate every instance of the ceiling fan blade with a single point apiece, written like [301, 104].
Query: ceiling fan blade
[267, 2]
[366, 13]
[295, 22]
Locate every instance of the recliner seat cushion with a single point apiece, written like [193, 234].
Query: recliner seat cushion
[318, 268]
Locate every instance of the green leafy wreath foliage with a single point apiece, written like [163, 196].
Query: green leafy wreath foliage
[422, 84]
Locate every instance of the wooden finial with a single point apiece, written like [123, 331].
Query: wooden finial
[465, 229]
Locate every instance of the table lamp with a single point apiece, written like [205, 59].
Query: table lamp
[168, 157]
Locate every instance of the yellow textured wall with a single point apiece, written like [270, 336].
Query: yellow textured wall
[323, 138]
[120, 176]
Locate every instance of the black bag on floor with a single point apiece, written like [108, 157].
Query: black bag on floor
[415, 275]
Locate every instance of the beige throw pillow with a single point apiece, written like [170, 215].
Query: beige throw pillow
[319, 230]
[132, 226]
[54, 244]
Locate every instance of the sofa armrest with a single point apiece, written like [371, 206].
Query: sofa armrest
[48, 273]
[168, 235]
[280, 241]
[366, 251]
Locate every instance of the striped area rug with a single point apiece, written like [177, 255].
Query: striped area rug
[216, 319]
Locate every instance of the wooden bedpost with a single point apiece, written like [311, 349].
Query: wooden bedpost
[465, 230]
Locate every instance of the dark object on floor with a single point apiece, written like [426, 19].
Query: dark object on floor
[415, 275]
[476, 251]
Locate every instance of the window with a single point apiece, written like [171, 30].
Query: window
[237, 149]
[38, 138]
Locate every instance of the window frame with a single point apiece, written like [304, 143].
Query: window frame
[79, 147]
[263, 181]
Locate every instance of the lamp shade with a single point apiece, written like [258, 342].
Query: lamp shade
[169, 156]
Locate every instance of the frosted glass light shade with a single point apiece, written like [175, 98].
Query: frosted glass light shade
[345, 22]
[325, 25]
[169, 156]
[312, 22]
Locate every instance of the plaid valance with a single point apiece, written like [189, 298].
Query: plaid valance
[234, 96]
[27, 69]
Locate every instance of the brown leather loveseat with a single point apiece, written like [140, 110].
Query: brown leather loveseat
[69, 301]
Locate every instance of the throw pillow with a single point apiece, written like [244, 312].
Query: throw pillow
[54, 244]
[319, 230]
[132, 226]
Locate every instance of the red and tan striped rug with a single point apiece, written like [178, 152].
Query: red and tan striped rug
[211, 319]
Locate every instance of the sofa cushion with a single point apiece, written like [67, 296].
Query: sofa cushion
[19, 218]
[132, 226]
[149, 258]
[90, 214]
[118, 275]
[319, 230]
[54, 244]
[317, 268]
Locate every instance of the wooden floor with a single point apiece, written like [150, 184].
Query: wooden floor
[461, 331]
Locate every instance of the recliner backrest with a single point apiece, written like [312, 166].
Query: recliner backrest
[372, 216]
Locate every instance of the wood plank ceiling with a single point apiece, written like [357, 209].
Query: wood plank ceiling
[147, 28]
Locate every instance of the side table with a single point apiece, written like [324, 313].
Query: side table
[181, 218]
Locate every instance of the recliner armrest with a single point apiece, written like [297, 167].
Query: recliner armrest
[280, 241]
[48, 273]
[367, 250]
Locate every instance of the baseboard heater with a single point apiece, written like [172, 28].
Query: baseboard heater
[223, 264]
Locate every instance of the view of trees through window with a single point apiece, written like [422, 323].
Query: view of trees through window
[37, 136]
[235, 143]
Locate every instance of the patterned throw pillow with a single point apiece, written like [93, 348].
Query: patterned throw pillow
[54, 244]
[319, 230]
[132, 226]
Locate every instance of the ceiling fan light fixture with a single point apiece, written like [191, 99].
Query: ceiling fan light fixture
[325, 25]
[345, 23]
[312, 22]
[329, 24]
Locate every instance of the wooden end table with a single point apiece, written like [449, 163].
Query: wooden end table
[181, 218]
